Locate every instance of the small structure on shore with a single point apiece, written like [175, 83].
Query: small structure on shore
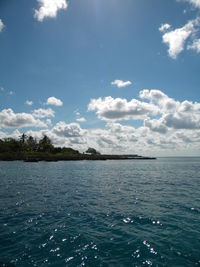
[92, 151]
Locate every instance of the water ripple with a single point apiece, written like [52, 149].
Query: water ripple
[100, 213]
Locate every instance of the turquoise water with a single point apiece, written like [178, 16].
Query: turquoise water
[93, 213]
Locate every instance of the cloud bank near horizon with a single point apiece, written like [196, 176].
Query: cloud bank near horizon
[166, 124]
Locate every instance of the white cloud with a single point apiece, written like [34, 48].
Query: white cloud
[121, 139]
[175, 39]
[180, 120]
[120, 83]
[43, 113]
[186, 36]
[175, 114]
[195, 3]
[195, 45]
[114, 109]
[164, 27]
[1, 25]
[165, 103]
[170, 114]
[63, 129]
[9, 119]
[156, 126]
[54, 101]
[170, 127]
[152, 94]
[29, 102]
[81, 119]
[49, 8]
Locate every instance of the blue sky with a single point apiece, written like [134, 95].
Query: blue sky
[76, 51]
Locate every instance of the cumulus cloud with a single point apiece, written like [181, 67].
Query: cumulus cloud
[195, 45]
[156, 126]
[54, 101]
[49, 8]
[1, 25]
[9, 119]
[180, 120]
[63, 129]
[175, 39]
[161, 114]
[120, 83]
[81, 119]
[184, 37]
[29, 102]
[175, 114]
[152, 94]
[164, 27]
[113, 109]
[195, 3]
[43, 113]
[165, 103]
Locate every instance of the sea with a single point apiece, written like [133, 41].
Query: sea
[100, 213]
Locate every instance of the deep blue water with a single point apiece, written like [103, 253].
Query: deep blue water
[100, 213]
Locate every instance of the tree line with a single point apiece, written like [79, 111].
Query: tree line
[28, 144]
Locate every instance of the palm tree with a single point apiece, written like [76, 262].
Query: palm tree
[23, 138]
[31, 143]
[45, 144]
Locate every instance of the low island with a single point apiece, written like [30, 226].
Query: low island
[28, 149]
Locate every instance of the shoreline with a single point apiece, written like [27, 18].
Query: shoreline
[81, 157]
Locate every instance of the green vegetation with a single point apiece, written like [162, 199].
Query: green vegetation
[26, 148]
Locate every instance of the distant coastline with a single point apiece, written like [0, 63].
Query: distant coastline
[63, 157]
[28, 149]
[88, 157]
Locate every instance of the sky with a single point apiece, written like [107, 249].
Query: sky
[119, 76]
